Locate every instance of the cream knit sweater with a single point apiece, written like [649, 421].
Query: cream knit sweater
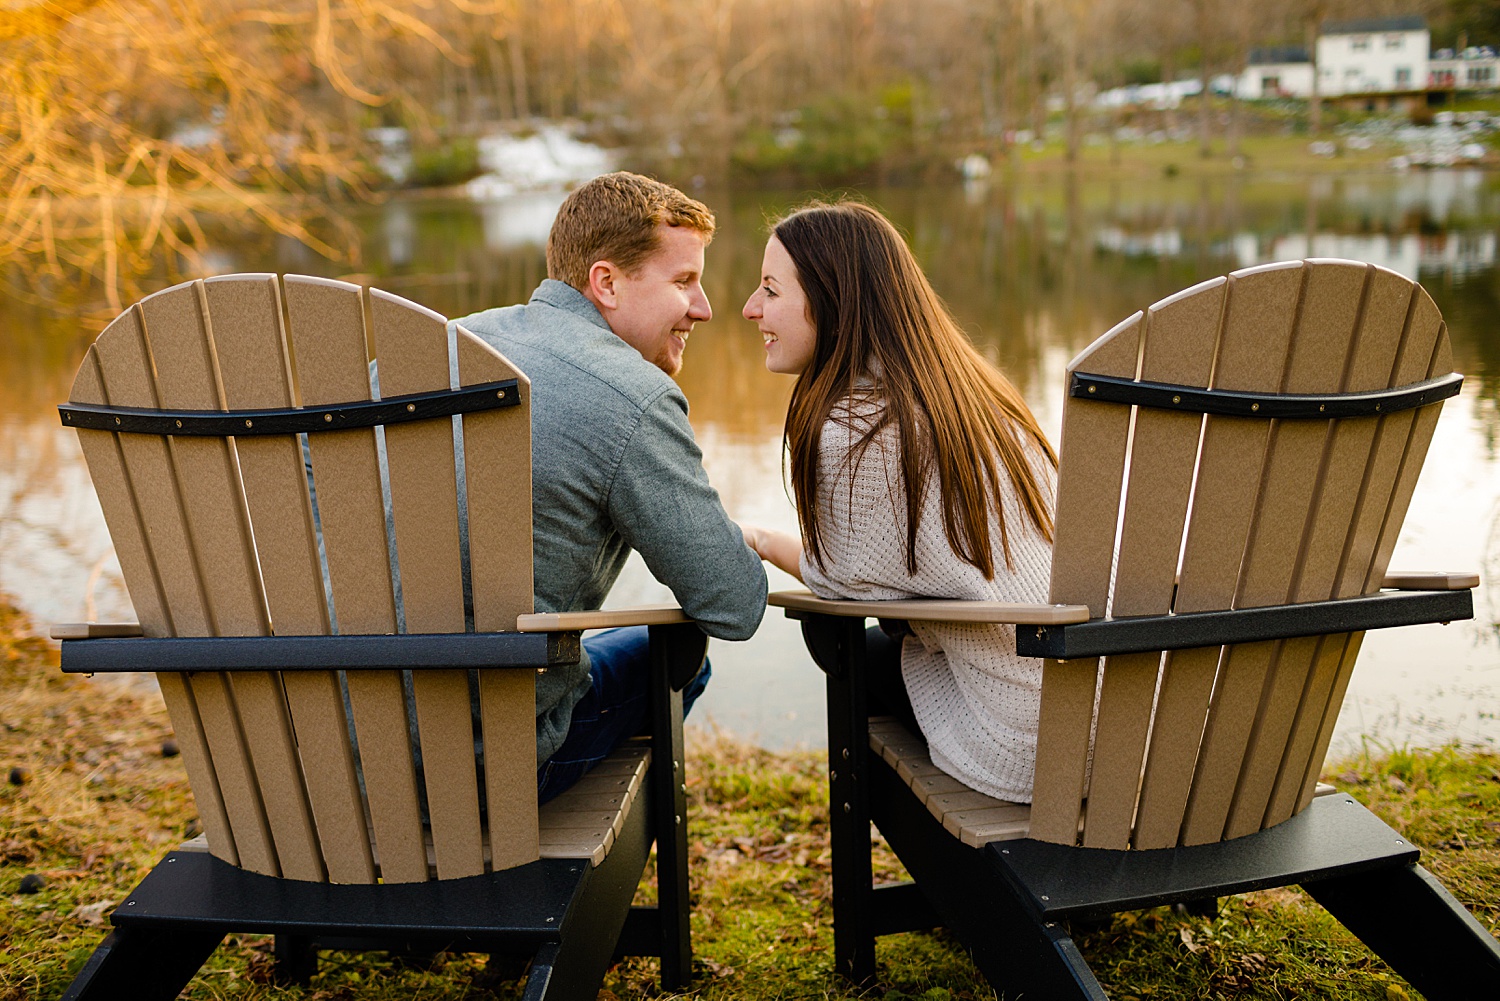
[976, 701]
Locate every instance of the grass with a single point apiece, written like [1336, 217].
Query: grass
[97, 804]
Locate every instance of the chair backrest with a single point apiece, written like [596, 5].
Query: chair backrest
[1163, 512]
[312, 774]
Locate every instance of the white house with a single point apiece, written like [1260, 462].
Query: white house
[1373, 55]
[1475, 68]
[1282, 71]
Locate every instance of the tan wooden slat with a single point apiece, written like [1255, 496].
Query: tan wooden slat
[255, 372]
[1347, 471]
[1259, 313]
[507, 704]
[1091, 466]
[176, 327]
[235, 771]
[557, 820]
[125, 371]
[1090, 469]
[1302, 739]
[1401, 444]
[97, 630]
[125, 367]
[1297, 472]
[1239, 740]
[497, 464]
[322, 730]
[608, 797]
[1123, 716]
[1181, 713]
[188, 730]
[983, 835]
[303, 774]
[328, 337]
[114, 485]
[926, 609]
[106, 465]
[936, 784]
[1180, 336]
[1331, 709]
[411, 344]
[940, 804]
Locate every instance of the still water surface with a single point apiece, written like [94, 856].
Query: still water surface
[1034, 272]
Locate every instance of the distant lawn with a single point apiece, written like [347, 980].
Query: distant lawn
[97, 805]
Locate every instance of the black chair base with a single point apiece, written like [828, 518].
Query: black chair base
[556, 911]
[1010, 903]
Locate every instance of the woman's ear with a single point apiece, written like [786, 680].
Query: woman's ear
[602, 290]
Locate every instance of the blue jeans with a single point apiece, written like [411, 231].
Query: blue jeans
[615, 708]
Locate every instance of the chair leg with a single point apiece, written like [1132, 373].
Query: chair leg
[296, 959]
[539, 976]
[839, 645]
[676, 655]
[143, 965]
[1409, 920]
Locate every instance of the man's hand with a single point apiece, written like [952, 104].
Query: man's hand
[781, 549]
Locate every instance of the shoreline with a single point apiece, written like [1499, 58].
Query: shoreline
[99, 803]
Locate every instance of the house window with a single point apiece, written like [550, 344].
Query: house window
[1403, 77]
[1481, 74]
[1270, 85]
[1360, 43]
[1393, 41]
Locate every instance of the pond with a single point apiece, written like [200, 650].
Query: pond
[1034, 271]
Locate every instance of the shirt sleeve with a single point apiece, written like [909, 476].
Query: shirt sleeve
[663, 506]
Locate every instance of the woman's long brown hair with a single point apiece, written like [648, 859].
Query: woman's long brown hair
[877, 319]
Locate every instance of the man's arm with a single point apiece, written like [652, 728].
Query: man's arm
[662, 504]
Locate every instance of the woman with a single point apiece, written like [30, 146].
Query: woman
[917, 471]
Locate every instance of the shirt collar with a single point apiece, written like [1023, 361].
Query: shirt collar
[564, 296]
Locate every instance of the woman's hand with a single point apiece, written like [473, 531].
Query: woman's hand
[781, 549]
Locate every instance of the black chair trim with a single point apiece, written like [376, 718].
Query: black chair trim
[296, 420]
[1141, 634]
[1282, 406]
[406, 652]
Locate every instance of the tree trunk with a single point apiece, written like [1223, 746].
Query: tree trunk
[518, 71]
[1314, 102]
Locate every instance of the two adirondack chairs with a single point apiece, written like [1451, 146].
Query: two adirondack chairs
[350, 677]
[1235, 466]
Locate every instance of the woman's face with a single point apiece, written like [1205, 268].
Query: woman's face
[779, 309]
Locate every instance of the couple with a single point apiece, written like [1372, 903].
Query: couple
[916, 467]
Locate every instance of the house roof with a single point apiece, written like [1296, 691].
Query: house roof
[1373, 25]
[1277, 55]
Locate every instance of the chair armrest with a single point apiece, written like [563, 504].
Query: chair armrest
[94, 630]
[640, 615]
[1410, 580]
[933, 609]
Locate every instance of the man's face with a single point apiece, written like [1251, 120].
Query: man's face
[655, 308]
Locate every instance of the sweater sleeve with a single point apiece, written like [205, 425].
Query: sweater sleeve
[665, 509]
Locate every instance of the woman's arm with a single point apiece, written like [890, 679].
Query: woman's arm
[781, 549]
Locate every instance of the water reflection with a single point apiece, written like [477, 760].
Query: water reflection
[1033, 272]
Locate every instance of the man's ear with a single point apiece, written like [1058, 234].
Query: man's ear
[602, 285]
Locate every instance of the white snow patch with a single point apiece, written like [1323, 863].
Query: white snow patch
[549, 159]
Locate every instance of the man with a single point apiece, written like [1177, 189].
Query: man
[615, 466]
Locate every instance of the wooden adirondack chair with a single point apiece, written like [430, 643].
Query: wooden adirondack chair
[1236, 463]
[350, 794]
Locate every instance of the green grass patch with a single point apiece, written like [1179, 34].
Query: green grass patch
[97, 804]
